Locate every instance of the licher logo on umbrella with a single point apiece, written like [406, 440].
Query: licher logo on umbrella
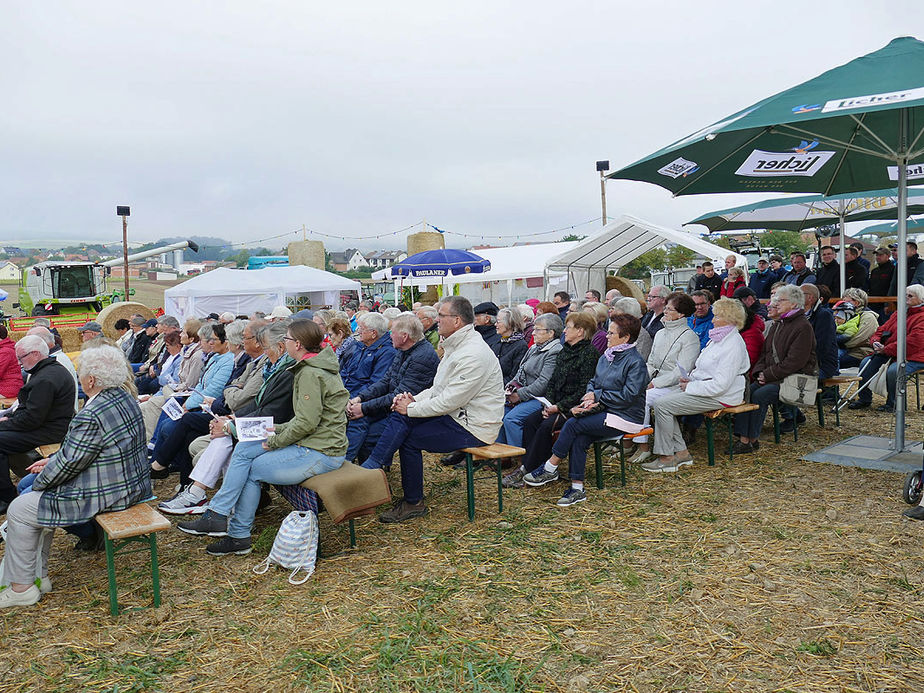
[805, 108]
[798, 161]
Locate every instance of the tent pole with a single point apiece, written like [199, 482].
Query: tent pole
[842, 211]
[901, 283]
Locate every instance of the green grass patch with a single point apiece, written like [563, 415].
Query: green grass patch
[819, 648]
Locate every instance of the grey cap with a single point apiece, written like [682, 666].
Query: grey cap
[91, 326]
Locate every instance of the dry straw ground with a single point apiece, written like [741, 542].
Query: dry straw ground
[765, 574]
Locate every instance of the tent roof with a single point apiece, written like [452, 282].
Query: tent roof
[295, 279]
[514, 262]
[623, 240]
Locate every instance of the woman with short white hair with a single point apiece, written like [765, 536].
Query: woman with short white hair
[101, 467]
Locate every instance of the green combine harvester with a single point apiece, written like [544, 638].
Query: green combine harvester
[76, 290]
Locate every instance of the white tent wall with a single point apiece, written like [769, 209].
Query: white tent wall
[586, 265]
[245, 291]
[510, 264]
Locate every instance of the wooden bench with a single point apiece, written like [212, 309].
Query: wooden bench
[350, 492]
[138, 524]
[475, 458]
[828, 384]
[728, 412]
[606, 442]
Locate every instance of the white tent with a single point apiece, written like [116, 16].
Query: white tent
[244, 291]
[507, 265]
[587, 263]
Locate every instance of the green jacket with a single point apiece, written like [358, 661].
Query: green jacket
[319, 399]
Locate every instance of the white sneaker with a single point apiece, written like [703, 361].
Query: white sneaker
[10, 598]
[671, 465]
[184, 503]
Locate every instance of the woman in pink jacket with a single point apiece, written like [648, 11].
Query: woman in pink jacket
[10, 372]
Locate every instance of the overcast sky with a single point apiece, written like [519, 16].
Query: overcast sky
[246, 120]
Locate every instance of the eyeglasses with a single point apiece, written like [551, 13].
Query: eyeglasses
[290, 339]
[20, 357]
[246, 337]
[446, 315]
[541, 329]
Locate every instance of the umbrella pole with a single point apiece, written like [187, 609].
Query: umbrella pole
[901, 283]
[840, 252]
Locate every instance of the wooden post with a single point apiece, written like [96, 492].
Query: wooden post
[125, 252]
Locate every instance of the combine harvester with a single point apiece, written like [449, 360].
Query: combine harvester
[72, 293]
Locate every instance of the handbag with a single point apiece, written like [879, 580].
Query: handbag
[878, 383]
[295, 546]
[797, 389]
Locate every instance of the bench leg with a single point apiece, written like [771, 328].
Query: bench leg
[710, 442]
[155, 570]
[795, 424]
[470, 486]
[110, 568]
[352, 534]
[622, 461]
[776, 423]
[819, 403]
[598, 463]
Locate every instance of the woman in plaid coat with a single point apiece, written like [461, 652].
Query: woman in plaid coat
[101, 467]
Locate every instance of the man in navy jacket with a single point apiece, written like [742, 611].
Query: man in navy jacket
[412, 370]
[371, 358]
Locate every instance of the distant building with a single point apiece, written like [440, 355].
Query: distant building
[9, 271]
[13, 250]
[384, 258]
[348, 261]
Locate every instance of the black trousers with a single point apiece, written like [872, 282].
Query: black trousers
[174, 451]
[12, 442]
[537, 438]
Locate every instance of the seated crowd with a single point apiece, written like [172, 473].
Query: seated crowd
[361, 385]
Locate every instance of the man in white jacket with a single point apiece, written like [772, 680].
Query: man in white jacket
[464, 408]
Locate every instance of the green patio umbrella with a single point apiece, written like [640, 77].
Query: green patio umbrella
[892, 229]
[812, 211]
[856, 127]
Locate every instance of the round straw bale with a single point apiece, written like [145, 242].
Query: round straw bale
[116, 311]
[625, 287]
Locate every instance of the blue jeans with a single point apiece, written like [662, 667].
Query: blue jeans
[362, 435]
[250, 464]
[873, 363]
[748, 425]
[512, 430]
[846, 360]
[410, 436]
[576, 436]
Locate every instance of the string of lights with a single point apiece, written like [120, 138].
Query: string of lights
[311, 233]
